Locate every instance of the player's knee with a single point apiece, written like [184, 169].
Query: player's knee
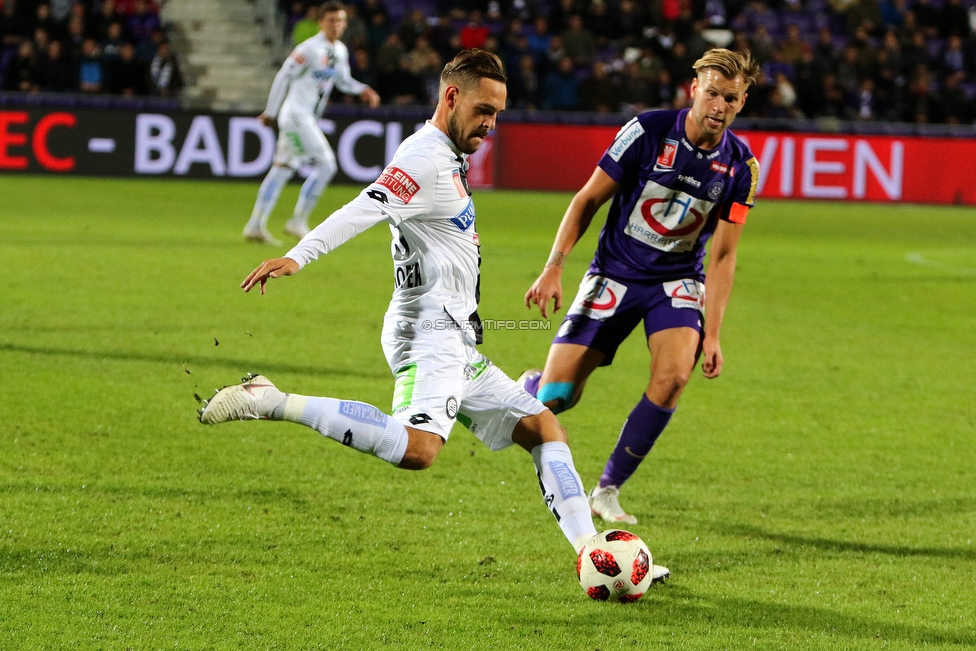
[558, 396]
[669, 385]
[422, 450]
[326, 168]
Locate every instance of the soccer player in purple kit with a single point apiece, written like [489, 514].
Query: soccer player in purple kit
[677, 178]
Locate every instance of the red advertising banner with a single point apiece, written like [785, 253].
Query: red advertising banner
[803, 166]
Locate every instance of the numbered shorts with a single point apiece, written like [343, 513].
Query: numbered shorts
[300, 141]
[440, 378]
[605, 311]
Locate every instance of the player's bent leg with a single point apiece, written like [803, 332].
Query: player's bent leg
[567, 368]
[561, 486]
[673, 355]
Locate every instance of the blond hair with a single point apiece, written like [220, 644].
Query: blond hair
[730, 64]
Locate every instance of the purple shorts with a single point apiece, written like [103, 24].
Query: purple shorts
[605, 311]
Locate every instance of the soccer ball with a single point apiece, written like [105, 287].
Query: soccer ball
[615, 565]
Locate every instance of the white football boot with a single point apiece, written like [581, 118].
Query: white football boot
[661, 574]
[605, 503]
[261, 235]
[253, 399]
[296, 228]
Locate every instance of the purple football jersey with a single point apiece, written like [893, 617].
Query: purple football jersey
[671, 197]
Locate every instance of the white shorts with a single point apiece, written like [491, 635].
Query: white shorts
[440, 378]
[300, 141]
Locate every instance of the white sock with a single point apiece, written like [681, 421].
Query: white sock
[272, 185]
[563, 492]
[355, 424]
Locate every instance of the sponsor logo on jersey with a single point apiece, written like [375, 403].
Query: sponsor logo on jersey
[686, 293]
[665, 160]
[298, 57]
[456, 177]
[690, 180]
[360, 411]
[627, 136]
[598, 297]
[464, 218]
[399, 183]
[667, 220]
[324, 73]
[719, 167]
[687, 145]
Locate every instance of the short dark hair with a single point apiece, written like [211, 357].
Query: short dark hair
[471, 66]
[331, 7]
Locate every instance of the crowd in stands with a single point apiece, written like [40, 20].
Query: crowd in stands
[876, 60]
[86, 46]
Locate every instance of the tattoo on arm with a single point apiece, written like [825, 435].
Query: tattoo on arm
[556, 259]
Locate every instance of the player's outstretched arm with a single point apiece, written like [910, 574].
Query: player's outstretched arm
[718, 289]
[269, 269]
[370, 97]
[549, 285]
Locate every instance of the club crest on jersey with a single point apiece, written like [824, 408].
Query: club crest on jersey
[399, 183]
[464, 218]
[715, 190]
[665, 161]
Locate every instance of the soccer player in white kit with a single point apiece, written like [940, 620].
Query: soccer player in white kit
[297, 100]
[432, 325]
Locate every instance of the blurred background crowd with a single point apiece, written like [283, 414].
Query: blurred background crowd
[873, 60]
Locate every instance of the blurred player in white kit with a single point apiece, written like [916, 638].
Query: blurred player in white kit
[298, 98]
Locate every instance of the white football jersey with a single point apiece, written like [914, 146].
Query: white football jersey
[305, 81]
[423, 195]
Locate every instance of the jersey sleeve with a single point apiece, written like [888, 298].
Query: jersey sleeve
[341, 226]
[630, 146]
[406, 189]
[343, 77]
[292, 69]
[743, 195]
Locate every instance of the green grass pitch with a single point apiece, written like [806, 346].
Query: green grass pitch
[819, 495]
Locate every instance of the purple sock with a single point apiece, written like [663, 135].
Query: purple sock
[532, 384]
[643, 426]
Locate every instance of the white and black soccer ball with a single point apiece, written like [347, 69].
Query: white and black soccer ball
[615, 565]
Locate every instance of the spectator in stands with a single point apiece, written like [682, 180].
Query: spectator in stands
[105, 17]
[524, 10]
[864, 13]
[23, 74]
[356, 34]
[578, 41]
[600, 92]
[44, 20]
[927, 17]
[515, 44]
[387, 58]
[523, 85]
[165, 79]
[14, 26]
[414, 26]
[598, 22]
[142, 22]
[377, 23]
[791, 49]
[475, 32]
[307, 26]
[363, 70]
[679, 63]
[849, 71]
[863, 103]
[831, 103]
[75, 38]
[128, 7]
[402, 86]
[763, 44]
[560, 13]
[824, 51]
[129, 75]
[562, 87]
[112, 44]
[636, 90]
[953, 20]
[892, 13]
[953, 58]
[540, 38]
[956, 107]
[922, 101]
[915, 54]
[809, 75]
[55, 70]
[91, 72]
